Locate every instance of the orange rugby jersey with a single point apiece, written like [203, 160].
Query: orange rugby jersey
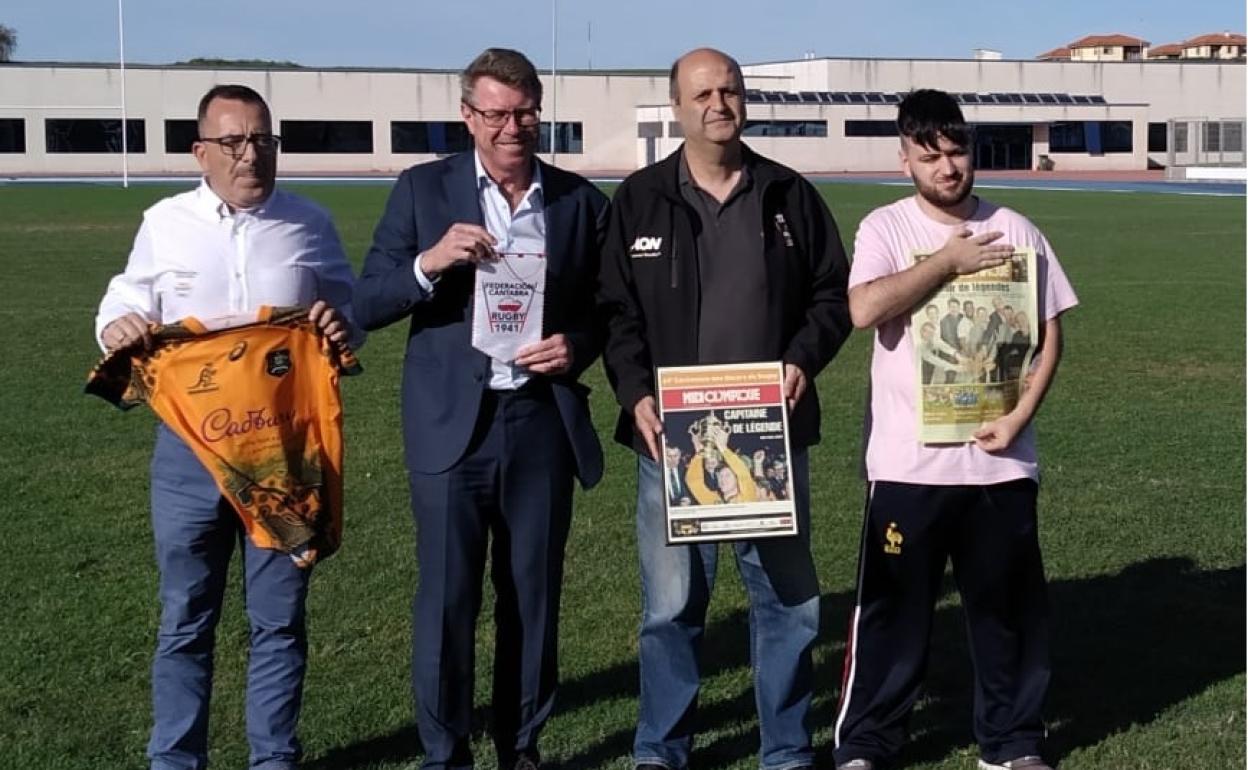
[259, 405]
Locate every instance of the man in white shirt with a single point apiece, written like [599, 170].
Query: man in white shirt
[492, 440]
[227, 247]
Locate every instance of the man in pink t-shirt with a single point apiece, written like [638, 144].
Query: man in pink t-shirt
[973, 503]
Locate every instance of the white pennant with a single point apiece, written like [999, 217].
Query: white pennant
[507, 306]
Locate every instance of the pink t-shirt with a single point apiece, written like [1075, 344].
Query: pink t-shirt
[886, 239]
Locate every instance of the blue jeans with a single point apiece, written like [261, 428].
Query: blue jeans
[195, 532]
[676, 582]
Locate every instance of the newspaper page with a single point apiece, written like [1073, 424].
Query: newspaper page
[973, 343]
[726, 468]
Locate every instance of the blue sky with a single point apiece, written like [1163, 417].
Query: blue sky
[604, 33]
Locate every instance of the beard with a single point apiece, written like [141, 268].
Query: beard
[945, 197]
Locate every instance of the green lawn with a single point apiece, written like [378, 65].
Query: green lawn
[1142, 510]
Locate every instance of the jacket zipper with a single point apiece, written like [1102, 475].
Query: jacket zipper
[672, 267]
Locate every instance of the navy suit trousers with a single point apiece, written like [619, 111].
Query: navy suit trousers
[512, 492]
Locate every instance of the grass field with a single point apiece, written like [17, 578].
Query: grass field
[1142, 521]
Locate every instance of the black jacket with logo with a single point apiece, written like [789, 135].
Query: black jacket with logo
[649, 288]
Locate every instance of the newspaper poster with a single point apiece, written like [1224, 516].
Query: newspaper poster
[726, 468]
[508, 303]
[973, 343]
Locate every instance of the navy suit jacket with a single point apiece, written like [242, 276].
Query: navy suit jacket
[444, 377]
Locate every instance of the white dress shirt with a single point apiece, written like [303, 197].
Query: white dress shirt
[194, 257]
[521, 231]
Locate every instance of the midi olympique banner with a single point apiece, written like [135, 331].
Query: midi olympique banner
[726, 458]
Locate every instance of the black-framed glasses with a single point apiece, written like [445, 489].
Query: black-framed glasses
[525, 116]
[235, 145]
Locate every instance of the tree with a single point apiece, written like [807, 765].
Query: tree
[267, 64]
[8, 43]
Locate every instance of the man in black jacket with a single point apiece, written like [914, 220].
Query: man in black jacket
[717, 255]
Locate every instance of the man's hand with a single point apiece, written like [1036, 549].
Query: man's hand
[462, 244]
[552, 355]
[794, 384]
[126, 332]
[965, 253]
[329, 322]
[996, 436]
[646, 422]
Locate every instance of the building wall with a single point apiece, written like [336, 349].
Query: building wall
[606, 104]
[1166, 89]
[837, 152]
[1105, 53]
[603, 103]
[1169, 89]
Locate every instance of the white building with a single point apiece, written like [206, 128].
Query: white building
[817, 115]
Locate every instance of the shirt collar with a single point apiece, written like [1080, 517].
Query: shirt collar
[210, 205]
[685, 176]
[532, 195]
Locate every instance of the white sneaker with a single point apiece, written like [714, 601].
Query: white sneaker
[1030, 762]
[856, 764]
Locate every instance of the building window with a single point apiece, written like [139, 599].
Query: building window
[1180, 137]
[1156, 137]
[12, 135]
[438, 137]
[75, 135]
[675, 130]
[1212, 137]
[650, 129]
[1233, 136]
[1067, 137]
[180, 135]
[570, 139]
[319, 137]
[1092, 137]
[1226, 136]
[786, 128]
[1116, 136]
[870, 128]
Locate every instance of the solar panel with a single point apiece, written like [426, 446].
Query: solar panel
[1064, 99]
[1081, 99]
[1048, 98]
[839, 97]
[970, 98]
[1031, 98]
[892, 98]
[809, 96]
[875, 97]
[753, 95]
[1097, 99]
[857, 97]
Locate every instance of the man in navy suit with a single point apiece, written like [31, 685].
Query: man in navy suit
[492, 446]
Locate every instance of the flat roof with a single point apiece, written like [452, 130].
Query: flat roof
[301, 68]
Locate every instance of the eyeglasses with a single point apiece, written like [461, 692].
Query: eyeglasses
[525, 116]
[235, 145]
